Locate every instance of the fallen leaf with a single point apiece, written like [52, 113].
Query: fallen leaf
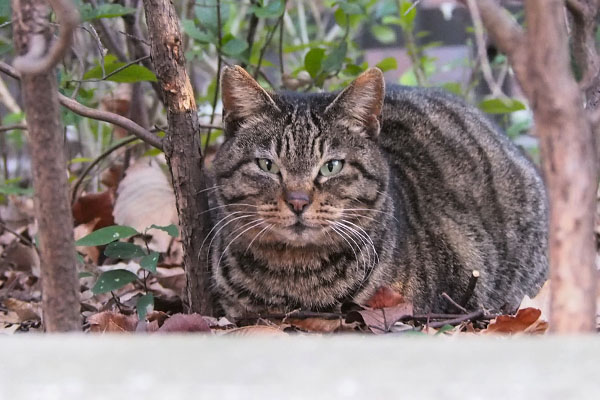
[25, 310]
[526, 320]
[83, 230]
[320, 325]
[256, 330]
[541, 301]
[95, 206]
[21, 257]
[184, 323]
[380, 320]
[385, 297]
[110, 321]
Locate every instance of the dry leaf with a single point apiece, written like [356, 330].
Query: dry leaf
[320, 325]
[256, 330]
[110, 321]
[85, 229]
[527, 320]
[25, 310]
[385, 297]
[95, 206]
[380, 320]
[21, 257]
[145, 197]
[184, 323]
[541, 301]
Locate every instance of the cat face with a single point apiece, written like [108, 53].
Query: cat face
[300, 170]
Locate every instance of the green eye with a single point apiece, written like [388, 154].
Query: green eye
[267, 165]
[331, 167]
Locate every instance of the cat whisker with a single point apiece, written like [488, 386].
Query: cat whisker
[266, 228]
[343, 230]
[210, 188]
[365, 235]
[353, 233]
[219, 230]
[256, 223]
[358, 216]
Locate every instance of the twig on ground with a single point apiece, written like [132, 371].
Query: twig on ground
[470, 288]
[17, 235]
[454, 303]
[455, 321]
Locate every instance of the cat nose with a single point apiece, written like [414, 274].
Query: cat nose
[297, 201]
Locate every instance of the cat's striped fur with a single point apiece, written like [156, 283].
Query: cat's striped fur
[429, 191]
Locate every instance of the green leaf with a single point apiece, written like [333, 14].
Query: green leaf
[453, 87]
[190, 28]
[170, 229]
[80, 259]
[387, 64]
[501, 106]
[84, 274]
[106, 235]
[80, 160]
[383, 33]
[351, 8]
[206, 13]
[313, 61]
[132, 73]
[89, 13]
[144, 305]
[407, 17]
[335, 59]
[9, 189]
[273, 9]
[123, 250]
[149, 262]
[113, 280]
[353, 69]
[234, 47]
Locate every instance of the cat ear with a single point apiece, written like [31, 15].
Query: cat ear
[242, 95]
[359, 106]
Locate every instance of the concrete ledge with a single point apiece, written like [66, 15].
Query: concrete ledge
[64, 367]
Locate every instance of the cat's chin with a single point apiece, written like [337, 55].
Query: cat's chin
[301, 235]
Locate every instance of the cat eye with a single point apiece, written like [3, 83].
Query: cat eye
[267, 165]
[331, 167]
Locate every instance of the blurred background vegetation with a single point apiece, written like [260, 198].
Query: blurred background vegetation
[302, 45]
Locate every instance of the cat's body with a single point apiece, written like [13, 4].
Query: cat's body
[427, 192]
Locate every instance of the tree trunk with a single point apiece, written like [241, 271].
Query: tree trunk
[60, 286]
[568, 152]
[182, 145]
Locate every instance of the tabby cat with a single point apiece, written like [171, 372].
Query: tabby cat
[323, 198]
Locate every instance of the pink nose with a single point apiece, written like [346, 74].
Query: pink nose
[297, 201]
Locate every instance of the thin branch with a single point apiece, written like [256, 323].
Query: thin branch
[281, 66]
[251, 33]
[455, 321]
[4, 128]
[110, 41]
[486, 69]
[470, 288]
[97, 160]
[116, 71]
[454, 303]
[267, 42]
[506, 33]
[219, 66]
[35, 62]
[18, 235]
[105, 116]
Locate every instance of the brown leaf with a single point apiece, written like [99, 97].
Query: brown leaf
[385, 297]
[185, 323]
[21, 257]
[93, 206]
[110, 321]
[82, 230]
[526, 320]
[145, 197]
[319, 325]
[256, 330]
[25, 310]
[380, 320]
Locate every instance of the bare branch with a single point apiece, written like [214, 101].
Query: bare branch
[35, 62]
[5, 128]
[105, 116]
[486, 69]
